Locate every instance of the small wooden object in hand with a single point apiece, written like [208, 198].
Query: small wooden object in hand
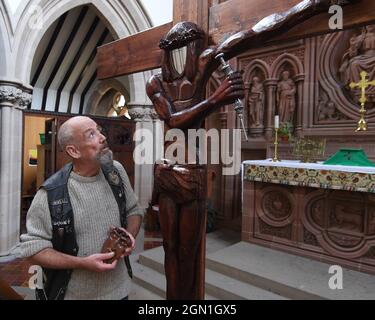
[118, 241]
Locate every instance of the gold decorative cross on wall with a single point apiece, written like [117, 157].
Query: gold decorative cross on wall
[363, 84]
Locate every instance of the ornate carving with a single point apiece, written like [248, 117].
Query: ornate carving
[19, 98]
[276, 206]
[299, 53]
[326, 110]
[282, 232]
[142, 113]
[346, 217]
[370, 254]
[359, 57]
[344, 240]
[317, 212]
[371, 221]
[271, 58]
[309, 238]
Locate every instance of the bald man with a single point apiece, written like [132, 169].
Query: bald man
[71, 214]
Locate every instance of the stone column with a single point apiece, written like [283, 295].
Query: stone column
[299, 79]
[146, 119]
[271, 85]
[14, 97]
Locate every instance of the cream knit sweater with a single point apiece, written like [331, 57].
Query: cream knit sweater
[95, 210]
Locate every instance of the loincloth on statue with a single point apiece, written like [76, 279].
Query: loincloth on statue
[183, 183]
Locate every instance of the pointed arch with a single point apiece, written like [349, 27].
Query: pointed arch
[257, 63]
[122, 20]
[6, 35]
[286, 58]
[101, 90]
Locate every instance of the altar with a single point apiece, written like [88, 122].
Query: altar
[325, 212]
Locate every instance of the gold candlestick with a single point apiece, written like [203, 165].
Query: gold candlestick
[363, 85]
[276, 143]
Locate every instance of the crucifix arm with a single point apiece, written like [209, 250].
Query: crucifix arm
[229, 90]
[275, 25]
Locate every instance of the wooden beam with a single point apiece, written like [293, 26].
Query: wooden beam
[355, 15]
[136, 53]
[232, 16]
[140, 52]
[191, 10]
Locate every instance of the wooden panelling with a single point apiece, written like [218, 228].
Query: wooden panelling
[191, 10]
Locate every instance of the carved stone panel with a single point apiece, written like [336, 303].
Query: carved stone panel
[337, 225]
[309, 238]
[280, 232]
[276, 206]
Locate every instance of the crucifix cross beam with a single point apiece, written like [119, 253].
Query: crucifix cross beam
[363, 84]
[140, 52]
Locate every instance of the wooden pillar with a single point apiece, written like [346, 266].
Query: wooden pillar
[191, 10]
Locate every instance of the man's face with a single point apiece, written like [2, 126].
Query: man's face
[91, 143]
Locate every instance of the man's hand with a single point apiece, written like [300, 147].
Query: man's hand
[231, 88]
[95, 262]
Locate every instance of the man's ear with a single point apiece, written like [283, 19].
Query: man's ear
[72, 151]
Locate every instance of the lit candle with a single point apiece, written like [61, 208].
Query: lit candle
[276, 122]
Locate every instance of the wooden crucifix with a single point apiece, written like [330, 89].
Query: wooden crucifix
[180, 101]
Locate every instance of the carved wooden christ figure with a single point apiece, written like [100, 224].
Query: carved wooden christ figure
[180, 189]
[178, 95]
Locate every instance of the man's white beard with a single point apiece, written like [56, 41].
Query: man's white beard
[106, 158]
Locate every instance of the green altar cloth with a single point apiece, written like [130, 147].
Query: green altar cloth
[350, 157]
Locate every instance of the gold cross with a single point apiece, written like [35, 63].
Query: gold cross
[363, 84]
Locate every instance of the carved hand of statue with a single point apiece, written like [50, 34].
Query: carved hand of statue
[230, 89]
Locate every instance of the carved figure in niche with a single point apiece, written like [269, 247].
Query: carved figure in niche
[286, 97]
[327, 111]
[360, 57]
[348, 218]
[256, 102]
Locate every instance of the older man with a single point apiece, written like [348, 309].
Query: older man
[71, 214]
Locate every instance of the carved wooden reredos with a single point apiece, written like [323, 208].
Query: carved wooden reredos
[306, 82]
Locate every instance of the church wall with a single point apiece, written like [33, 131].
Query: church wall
[325, 107]
[321, 69]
